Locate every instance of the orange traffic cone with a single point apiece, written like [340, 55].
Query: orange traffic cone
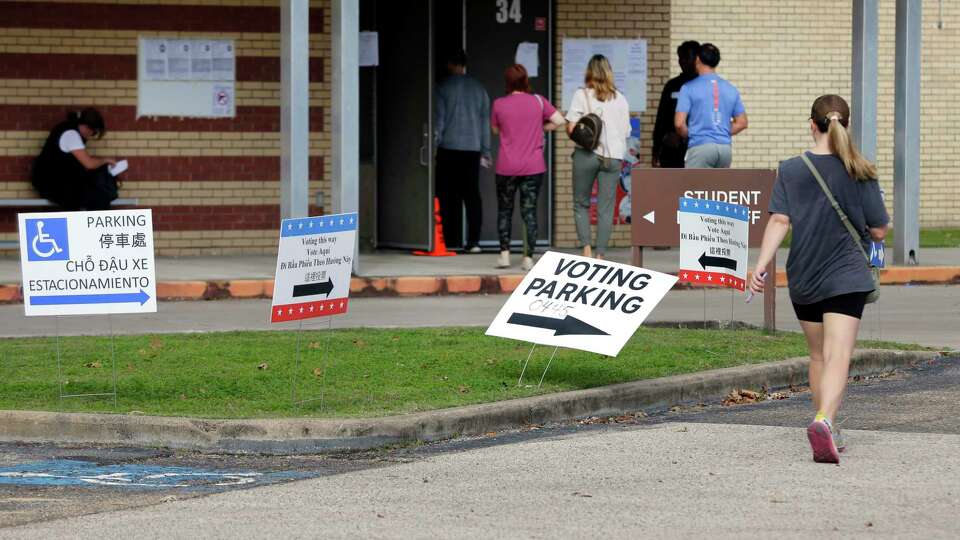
[439, 246]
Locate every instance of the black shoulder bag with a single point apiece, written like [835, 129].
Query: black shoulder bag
[586, 133]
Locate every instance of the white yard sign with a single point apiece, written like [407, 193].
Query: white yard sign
[314, 265]
[80, 263]
[580, 303]
[713, 243]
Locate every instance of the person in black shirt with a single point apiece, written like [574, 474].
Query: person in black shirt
[66, 174]
[669, 147]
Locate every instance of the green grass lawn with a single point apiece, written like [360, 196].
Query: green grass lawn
[370, 372]
[929, 238]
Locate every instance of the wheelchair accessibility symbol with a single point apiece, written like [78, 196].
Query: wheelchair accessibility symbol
[47, 239]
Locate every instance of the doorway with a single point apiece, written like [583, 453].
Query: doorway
[396, 110]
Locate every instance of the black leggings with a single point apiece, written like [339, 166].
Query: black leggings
[95, 190]
[845, 304]
[507, 187]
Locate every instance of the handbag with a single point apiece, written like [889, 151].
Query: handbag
[874, 295]
[586, 132]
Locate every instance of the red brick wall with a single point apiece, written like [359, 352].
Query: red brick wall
[213, 184]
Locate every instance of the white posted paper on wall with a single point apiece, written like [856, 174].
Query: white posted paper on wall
[628, 58]
[201, 60]
[155, 59]
[178, 60]
[369, 49]
[186, 77]
[528, 55]
[224, 60]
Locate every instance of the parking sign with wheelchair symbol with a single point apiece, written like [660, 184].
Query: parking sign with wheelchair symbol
[47, 239]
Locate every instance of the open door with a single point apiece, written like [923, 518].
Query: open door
[494, 29]
[404, 116]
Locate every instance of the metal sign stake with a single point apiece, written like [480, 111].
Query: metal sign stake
[524, 370]
[548, 366]
[296, 368]
[323, 363]
[113, 367]
[56, 322]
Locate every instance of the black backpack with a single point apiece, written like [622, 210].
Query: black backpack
[586, 133]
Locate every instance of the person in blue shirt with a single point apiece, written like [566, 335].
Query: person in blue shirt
[709, 113]
[462, 133]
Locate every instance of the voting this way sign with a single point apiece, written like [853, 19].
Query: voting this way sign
[314, 265]
[580, 303]
[85, 263]
[713, 243]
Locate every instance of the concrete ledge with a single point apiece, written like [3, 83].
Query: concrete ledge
[312, 435]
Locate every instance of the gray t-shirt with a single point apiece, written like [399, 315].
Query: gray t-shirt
[824, 261]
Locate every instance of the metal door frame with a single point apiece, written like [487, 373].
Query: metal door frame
[430, 154]
[548, 137]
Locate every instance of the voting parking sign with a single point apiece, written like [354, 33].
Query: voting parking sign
[314, 265]
[580, 303]
[713, 243]
[85, 263]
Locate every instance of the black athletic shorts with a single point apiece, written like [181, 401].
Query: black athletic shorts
[845, 304]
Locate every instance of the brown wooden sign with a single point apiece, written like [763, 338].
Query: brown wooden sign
[655, 194]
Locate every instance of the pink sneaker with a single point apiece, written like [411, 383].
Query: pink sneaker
[821, 442]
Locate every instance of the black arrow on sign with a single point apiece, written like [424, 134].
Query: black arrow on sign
[719, 262]
[310, 289]
[568, 326]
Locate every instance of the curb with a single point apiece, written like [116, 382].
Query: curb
[407, 286]
[287, 436]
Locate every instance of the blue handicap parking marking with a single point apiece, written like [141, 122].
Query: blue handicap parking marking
[47, 239]
[76, 473]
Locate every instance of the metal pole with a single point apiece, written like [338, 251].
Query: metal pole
[906, 133]
[863, 103]
[345, 109]
[294, 107]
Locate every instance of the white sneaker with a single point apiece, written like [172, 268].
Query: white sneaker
[527, 263]
[503, 261]
[474, 249]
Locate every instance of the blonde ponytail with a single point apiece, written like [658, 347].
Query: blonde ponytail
[840, 144]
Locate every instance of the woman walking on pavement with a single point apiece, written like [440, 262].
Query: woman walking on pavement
[520, 118]
[601, 165]
[827, 270]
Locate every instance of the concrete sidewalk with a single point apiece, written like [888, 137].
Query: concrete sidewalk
[397, 273]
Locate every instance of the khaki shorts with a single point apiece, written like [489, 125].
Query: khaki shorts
[709, 156]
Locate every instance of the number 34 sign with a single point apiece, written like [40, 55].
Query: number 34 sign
[508, 10]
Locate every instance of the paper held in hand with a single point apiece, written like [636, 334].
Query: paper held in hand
[580, 303]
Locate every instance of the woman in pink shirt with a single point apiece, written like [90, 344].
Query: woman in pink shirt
[520, 118]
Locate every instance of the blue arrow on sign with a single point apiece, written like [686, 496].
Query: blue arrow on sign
[65, 299]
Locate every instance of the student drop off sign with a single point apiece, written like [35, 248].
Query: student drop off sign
[83, 263]
[580, 303]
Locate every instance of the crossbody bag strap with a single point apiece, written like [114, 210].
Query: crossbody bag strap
[836, 206]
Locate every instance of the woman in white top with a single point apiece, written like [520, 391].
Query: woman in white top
[601, 165]
[66, 173]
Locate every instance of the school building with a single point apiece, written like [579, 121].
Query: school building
[214, 183]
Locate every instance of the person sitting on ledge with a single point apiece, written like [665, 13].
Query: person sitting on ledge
[69, 176]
